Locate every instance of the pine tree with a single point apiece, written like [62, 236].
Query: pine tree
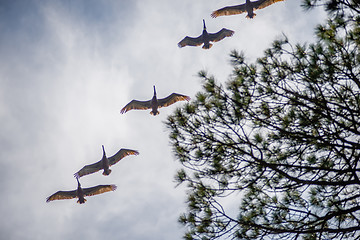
[280, 140]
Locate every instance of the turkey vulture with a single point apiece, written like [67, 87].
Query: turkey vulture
[81, 192]
[154, 103]
[105, 162]
[248, 7]
[205, 38]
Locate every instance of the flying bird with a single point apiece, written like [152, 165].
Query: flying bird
[81, 192]
[154, 103]
[105, 162]
[205, 38]
[248, 7]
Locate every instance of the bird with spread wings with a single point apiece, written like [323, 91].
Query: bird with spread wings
[154, 103]
[248, 7]
[105, 162]
[80, 192]
[205, 38]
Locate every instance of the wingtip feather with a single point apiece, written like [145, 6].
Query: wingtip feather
[122, 111]
[213, 14]
[132, 152]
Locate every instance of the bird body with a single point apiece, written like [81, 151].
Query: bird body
[154, 104]
[80, 192]
[205, 38]
[248, 7]
[105, 163]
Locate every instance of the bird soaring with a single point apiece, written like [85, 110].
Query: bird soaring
[205, 38]
[80, 193]
[248, 7]
[105, 162]
[154, 103]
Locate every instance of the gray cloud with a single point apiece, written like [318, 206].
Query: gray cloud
[66, 70]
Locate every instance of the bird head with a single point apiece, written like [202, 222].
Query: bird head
[154, 91]
[104, 154]
[204, 24]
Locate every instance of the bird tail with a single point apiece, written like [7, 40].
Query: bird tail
[207, 46]
[106, 173]
[252, 16]
[81, 200]
[154, 114]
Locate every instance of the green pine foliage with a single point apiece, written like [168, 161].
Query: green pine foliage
[281, 138]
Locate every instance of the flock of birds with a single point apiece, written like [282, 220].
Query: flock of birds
[155, 103]
[205, 38]
[105, 163]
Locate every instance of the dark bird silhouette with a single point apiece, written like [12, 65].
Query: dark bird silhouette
[81, 192]
[154, 103]
[105, 162]
[248, 7]
[205, 38]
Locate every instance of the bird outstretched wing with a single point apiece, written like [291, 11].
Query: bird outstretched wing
[215, 37]
[121, 154]
[264, 3]
[88, 169]
[98, 189]
[190, 41]
[172, 98]
[62, 195]
[229, 10]
[135, 104]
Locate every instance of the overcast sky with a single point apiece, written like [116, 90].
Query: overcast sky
[68, 67]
